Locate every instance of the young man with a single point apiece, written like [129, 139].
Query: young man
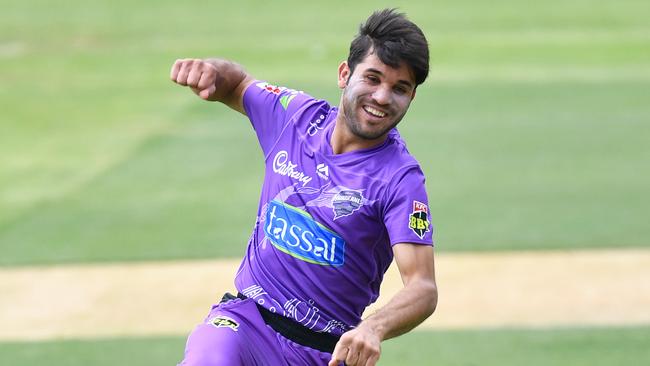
[341, 198]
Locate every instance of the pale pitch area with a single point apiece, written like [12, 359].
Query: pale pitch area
[513, 289]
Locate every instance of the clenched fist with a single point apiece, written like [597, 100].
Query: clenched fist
[199, 75]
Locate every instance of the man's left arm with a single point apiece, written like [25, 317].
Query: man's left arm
[415, 302]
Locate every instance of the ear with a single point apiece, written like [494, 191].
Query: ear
[413, 96]
[344, 74]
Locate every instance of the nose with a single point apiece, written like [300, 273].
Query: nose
[381, 95]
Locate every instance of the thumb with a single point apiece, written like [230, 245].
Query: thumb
[337, 356]
[206, 93]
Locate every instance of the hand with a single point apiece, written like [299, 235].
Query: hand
[199, 75]
[358, 347]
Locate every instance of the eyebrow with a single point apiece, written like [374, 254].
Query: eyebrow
[404, 82]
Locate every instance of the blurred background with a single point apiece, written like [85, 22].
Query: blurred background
[533, 130]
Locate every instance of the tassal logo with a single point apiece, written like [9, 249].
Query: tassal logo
[296, 233]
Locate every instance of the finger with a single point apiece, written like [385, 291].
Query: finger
[206, 93]
[175, 69]
[184, 72]
[337, 358]
[207, 79]
[339, 353]
[194, 75]
[369, 353]
[353, 357]
[372, 360]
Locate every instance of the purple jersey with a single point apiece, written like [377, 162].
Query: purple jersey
[326, 222]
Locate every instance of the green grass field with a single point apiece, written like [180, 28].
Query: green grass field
[532, 129]
[575, 347]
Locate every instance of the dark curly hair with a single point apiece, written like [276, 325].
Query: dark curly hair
[394, 39]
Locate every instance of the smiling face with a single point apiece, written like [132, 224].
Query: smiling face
[375, 98]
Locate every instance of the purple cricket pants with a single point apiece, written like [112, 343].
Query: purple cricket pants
[234, 333]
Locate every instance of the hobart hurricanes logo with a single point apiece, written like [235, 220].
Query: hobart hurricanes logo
[346, 202]
[296, 233]
[283, 166]
[418, 221]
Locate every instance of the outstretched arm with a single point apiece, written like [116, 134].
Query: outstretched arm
[214, 80]
[408, 308]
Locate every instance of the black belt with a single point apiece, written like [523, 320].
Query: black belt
[291, 330]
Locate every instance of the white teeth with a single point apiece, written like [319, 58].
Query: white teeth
[374, 112]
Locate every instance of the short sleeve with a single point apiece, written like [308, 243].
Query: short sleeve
[406, 212]
[270, 108]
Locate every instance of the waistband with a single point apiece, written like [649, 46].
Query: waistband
[293, 331]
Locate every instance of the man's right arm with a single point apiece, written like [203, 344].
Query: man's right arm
[214, 80]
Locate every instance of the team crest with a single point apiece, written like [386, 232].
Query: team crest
[224, 322]
[418, 221]
[346, 202]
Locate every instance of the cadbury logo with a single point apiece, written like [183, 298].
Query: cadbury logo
[283, 166]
